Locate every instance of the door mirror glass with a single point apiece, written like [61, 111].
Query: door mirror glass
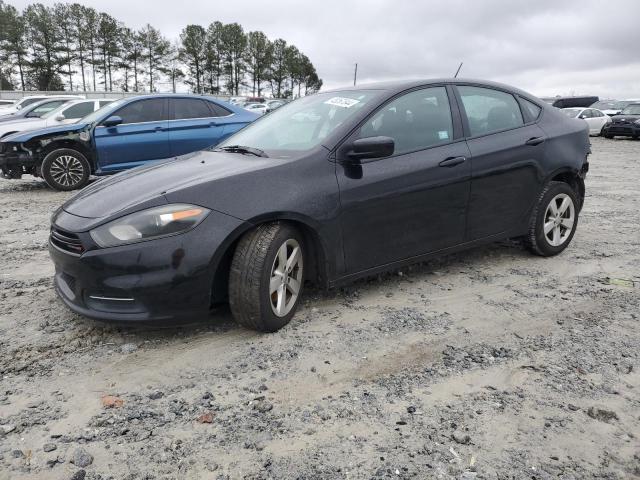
[60, 117]
[112, 121]
[370, 148]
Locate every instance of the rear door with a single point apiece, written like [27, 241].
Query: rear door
[193, 125]
[506, 151]
[142, 136]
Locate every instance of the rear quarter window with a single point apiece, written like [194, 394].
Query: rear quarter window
[531, 110]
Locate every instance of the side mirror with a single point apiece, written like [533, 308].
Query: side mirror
[112, 121]
[370, 148]
[582, 116]
[60, 118]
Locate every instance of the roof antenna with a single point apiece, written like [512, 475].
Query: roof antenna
[458, 71]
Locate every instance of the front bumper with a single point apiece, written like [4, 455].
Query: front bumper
[627, 129]
[168, 278]
[17, 161]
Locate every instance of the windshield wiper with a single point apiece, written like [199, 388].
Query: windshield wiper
[244, 150]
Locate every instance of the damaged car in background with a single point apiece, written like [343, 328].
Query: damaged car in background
[124, 134]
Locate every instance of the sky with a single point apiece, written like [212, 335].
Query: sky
[547, 47]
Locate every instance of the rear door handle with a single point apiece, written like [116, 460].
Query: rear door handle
[213, 124]
[452, 161]
[534, 141]
[158, 129]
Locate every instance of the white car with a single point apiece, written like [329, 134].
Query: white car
[260, 108]
[70, 112]
[28, 100]
[594, 118]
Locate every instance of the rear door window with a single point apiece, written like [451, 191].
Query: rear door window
[142, 111]
[489, 110]
[185, 108]
[218, 110]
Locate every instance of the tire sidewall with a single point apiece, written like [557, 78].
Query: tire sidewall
[554, 189]
[48, 161]
[271, 321]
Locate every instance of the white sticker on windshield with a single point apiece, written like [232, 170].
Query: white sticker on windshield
[342, 102]
[443, 135]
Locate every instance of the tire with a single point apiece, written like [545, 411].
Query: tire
[66, 169]
[563, 225]
[255, 271]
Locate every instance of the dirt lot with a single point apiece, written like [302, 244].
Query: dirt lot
[490, 364]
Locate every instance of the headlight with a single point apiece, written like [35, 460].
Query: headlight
[149, 224]
[637, 122]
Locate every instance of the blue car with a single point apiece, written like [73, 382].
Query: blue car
[125, 134]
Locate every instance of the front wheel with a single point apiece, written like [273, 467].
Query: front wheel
[267, 276]
[554, 220]
[66, 169]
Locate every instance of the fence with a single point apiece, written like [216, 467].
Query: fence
[18, 94]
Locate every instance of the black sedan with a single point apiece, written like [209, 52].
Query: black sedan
[625, 124]
[329, 188]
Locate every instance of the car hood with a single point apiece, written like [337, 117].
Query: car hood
[31, 134]
[625, 117]
[157, 184]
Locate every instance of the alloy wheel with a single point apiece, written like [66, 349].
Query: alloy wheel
[67, 170]
[285, 280]
[559, 220]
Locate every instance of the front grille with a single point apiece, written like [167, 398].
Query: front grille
[66, 241]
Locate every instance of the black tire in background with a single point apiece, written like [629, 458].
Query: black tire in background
[66, 169]
[538, 240]
[250, 296]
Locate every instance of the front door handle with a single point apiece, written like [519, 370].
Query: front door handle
[534, 141]
[452, 161]
[159, 129]
[213, 124]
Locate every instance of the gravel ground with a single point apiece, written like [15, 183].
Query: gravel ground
[489, 364]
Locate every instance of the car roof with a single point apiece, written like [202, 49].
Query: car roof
[401, 85]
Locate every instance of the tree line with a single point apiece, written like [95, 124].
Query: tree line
[74, 47]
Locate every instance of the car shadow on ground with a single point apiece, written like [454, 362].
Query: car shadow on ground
[220, 320]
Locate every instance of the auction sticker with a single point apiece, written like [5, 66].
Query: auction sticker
[342, 102]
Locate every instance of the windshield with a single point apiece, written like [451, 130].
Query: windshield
[301, 125]
[28, 101]
[610, 105]
[571, 112]
[100, 113]
[631, 109]
[55, 111]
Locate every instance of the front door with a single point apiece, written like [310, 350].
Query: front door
[142, 136]
[415, 201]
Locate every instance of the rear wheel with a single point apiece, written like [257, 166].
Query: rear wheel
[266, 277]
[66, 169]
[554, 220]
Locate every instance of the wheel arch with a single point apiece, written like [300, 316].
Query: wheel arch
[316, 258]
[571, 177]
[73, 145]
